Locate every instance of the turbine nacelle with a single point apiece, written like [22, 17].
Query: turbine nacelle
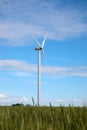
[38, 49]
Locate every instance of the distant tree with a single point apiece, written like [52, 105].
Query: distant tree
[28, 105]
[18, 104]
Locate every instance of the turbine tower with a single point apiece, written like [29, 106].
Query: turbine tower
[39, 49]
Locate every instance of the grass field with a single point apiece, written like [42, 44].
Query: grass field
[43, 118]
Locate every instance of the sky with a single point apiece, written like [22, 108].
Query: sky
[64, 67]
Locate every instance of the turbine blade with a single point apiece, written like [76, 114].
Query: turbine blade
[46, 68]
[43, 53]
[44, 41]
[36, 41]
[44, 56]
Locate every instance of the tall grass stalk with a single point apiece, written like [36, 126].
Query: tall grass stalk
[43, 118]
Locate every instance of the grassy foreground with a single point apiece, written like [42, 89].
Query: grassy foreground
[43, 118]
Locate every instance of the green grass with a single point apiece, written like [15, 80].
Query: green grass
[43, 118]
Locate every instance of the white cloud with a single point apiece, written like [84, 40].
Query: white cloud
[17, 30]
[75, 102]
[60, 101]
[18, 33]
[2, 96]
[7, 100]
[24, 69]
[16, 65]
[25, 99]
[65, 102]
[22, 74]
[20, 20]
[70, 100]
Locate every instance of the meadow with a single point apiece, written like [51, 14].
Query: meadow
[43, 118]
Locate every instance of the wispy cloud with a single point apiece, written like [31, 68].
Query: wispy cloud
[17, 33]
[75, 102]
[16, 65]
[7, 100]
[65, 102]
[2, 96]
[22, 74]
[21, 19]
[24, 69]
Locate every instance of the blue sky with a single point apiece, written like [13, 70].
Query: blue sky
[64, 75]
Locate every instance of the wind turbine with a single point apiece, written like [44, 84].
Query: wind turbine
[39, 49]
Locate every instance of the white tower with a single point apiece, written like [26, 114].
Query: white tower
[39, 48]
